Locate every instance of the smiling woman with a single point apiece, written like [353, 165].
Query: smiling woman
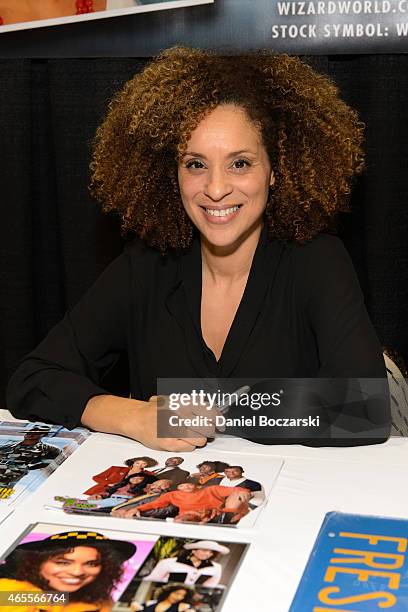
[230, 172]
[71, 570]
[85, 565]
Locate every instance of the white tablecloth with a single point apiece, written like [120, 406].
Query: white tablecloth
[365, 480]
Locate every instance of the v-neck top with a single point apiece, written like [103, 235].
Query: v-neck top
[302, 314]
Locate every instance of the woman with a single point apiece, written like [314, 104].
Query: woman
[84, 565]
[229, 170]
[116, 473]
[128, 488]
[196, 565]
[172, 598]
[31, 10]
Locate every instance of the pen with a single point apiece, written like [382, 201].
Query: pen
[224, 407]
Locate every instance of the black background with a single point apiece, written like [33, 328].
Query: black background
[53, 239]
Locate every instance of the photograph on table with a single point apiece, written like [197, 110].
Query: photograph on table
[95, 570]
[206, 563]
[144, 596]
[92, 568]
[208, 487]
[30, 452]
[33, 14]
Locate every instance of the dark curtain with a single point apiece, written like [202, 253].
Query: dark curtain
[55, 242]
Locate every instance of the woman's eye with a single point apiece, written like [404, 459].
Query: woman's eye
[195, 164]
[240, 164]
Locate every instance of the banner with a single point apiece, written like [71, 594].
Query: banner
[310, 27]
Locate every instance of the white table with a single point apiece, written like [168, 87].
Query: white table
[366, 480]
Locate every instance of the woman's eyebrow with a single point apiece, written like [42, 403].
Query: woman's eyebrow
[232, 154]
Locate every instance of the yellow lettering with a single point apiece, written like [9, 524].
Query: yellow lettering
[363, 575]
[388, 601]
[367, 558]
[374, 539]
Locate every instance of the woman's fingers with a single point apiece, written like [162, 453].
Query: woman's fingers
[182, 445]
[189, 421]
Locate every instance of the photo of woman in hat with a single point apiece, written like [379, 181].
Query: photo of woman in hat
[195, 565]
[86, 566]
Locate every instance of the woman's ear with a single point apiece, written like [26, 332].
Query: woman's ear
[272, 179]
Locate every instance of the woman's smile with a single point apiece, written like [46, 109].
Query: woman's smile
[221, 215]
[73, 570]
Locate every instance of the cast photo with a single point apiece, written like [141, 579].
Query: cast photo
[206, 488]
[16, 15]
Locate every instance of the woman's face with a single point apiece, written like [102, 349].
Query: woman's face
[202, 554]
[176, 596]
[224, 177]
[138, 466]
[136, 480]
[70, 571]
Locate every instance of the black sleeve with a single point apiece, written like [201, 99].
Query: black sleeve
[55, 381]
[334, 305]
[352, 374]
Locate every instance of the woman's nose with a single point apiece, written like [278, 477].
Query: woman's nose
[217, 185]
[76, 570]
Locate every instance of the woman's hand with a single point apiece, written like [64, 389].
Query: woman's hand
[138, 420]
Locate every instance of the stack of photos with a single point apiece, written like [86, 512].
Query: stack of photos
[206, 487]
[89, 571]
[29, 453]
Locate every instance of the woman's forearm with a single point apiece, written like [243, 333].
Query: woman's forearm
[112, 414]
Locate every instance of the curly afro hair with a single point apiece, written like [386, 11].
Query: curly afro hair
[26, 565]
[312, 137]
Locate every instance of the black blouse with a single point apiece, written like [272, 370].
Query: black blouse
[302, 314]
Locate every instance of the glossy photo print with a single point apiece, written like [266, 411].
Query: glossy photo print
[144, 596]
[33, 14]
[30, 452]
[194, 574]
[91, 567]
[208, 487]
[102, 569]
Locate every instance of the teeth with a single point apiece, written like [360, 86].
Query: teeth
[221, 213]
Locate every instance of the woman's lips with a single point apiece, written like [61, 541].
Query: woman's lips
[71, 581]
[220, 216]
